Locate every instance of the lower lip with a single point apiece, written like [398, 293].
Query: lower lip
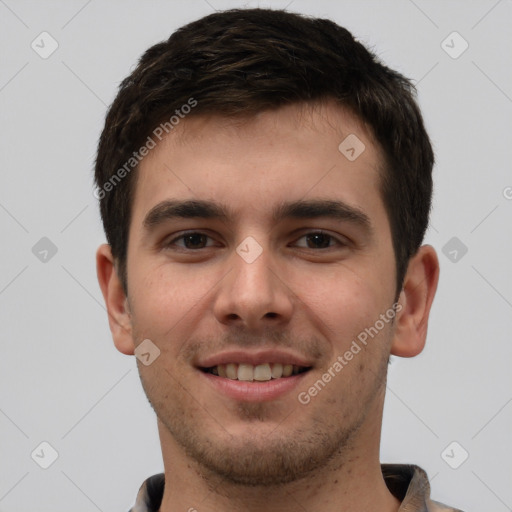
[254, 391]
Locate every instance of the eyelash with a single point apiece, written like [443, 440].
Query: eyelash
[309, 233]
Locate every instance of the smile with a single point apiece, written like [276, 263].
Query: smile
[261, 372]
[254, 376]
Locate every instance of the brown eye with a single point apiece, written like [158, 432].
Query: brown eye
[192, 241]
[318, 240]
[195, 241]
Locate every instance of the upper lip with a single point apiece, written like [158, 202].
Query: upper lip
[254, 358]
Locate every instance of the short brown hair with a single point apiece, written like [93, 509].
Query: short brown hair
[243, 61]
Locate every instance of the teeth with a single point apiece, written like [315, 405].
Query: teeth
[231, 371]
[261, 372]
[287, 370]
[245, 372]
[277, 370]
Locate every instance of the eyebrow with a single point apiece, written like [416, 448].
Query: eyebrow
[302, 209]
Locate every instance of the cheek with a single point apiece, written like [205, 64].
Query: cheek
[164, 302]
[343, 302]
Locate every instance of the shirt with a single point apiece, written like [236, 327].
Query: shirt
[408, 483]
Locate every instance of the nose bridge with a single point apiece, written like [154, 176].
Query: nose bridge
[252, 272]
[252, 293]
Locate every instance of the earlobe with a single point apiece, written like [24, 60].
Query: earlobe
[415, 301]
[119, 316]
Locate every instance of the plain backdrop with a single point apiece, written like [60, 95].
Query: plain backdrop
[448, 410]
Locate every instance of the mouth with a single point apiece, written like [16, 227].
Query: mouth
[254, 376]
[263, 372]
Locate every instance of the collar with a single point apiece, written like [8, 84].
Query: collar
[407, 482]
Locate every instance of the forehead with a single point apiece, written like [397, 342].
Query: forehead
[253, 164]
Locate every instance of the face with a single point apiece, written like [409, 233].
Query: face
[257, 248]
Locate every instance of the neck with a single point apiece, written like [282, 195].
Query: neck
[351, 482]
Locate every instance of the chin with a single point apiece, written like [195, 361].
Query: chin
[264, 457]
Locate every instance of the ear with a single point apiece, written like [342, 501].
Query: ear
[119, 317]
[420, 285]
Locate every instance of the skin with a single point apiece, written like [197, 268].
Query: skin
[225, 454]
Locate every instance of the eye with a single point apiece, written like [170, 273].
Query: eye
[196, 240]
[192, 240]
[318, 240]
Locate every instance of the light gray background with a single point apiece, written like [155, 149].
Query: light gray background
[63, 382]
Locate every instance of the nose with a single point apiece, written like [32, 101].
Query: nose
[253, 294]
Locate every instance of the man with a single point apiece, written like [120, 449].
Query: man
[265, 185]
